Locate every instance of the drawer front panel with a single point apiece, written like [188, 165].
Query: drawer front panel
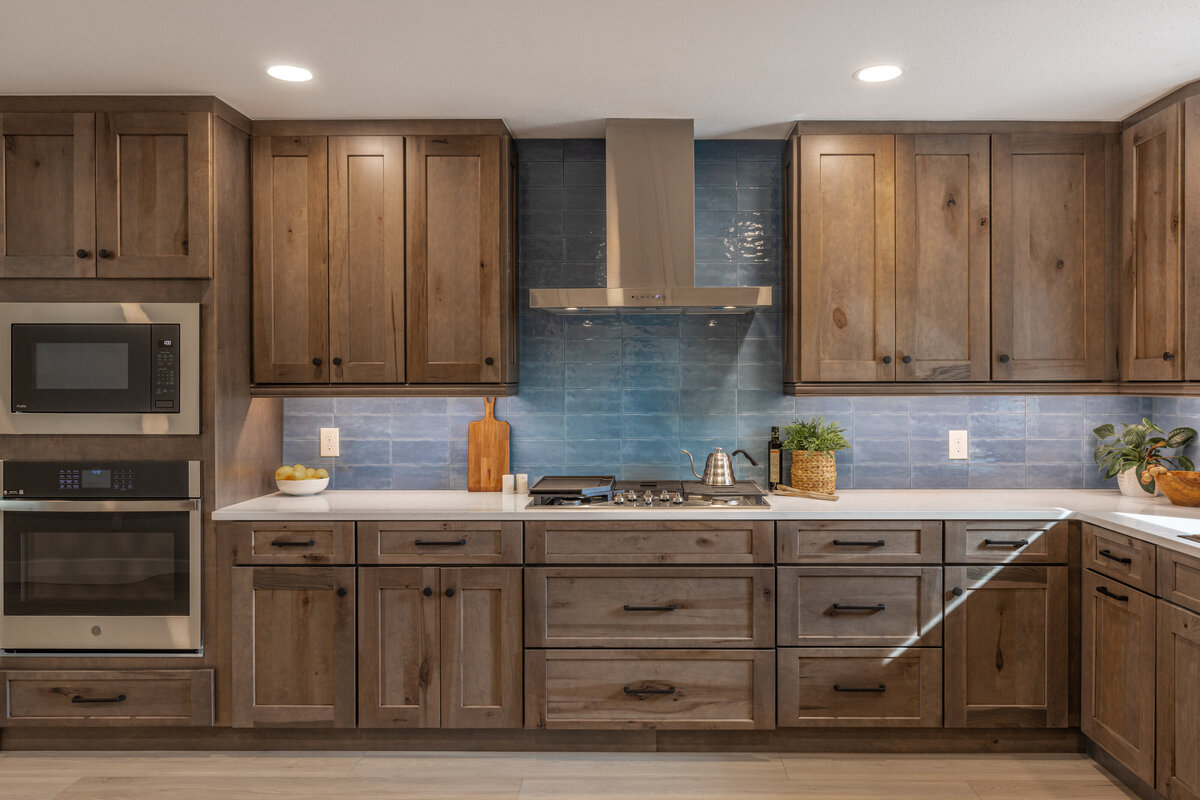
[1120, 557]
[1179, 579]
[650, 689]
[267, 543]
[109, 697]
[1019, 542]
[725, 542]
[869, 687]
[860, 606]
[387, 542]
[866, 542]
[632, 607]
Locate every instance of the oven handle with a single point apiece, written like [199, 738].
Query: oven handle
[132, 506]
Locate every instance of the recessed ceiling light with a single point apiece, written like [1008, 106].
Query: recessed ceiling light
[286, 72]
[879, 73]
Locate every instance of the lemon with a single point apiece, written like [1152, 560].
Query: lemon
[283, 473]
[322, 473]
[310, 474]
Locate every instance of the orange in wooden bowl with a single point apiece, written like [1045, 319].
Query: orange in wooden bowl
[1181, 488]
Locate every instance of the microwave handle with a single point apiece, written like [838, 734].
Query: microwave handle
[70, 506]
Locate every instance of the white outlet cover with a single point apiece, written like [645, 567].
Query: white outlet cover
[330, 443]
[958, 446]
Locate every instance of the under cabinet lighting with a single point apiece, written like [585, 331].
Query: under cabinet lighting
[879, 73]
[286, 72]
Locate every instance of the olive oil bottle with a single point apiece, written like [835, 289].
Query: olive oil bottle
[774, 459]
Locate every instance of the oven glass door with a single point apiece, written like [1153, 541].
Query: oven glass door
[76, 368]
[89, 564]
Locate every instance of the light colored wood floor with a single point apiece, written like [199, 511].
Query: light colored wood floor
[561, 776]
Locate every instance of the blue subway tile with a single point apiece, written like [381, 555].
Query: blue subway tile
[597, 401]
[364, 426]
[765, 401]
[361, 452]
[881, 451]
[711, 376]
[881, 405]
[1052, 426]
[537, 426]
[716, 273]
[760, 351]
[881, 426]
[583, 223]
[540, 223]
[828, 407]
[758, 426]
[592, 351]
[419, 426]
[582, 250]
[583, 275]
[586, 376]
[708, 426]
[541, 351]
[761, 150]
[708, 351]
[1120, 405]
[345, 477]
[1052, 404]
[759, 376]
[583, 198]
[759, 223]
[716, 250]
[703, 326]
[651, 451]
[538, 248]
[538, 451]
[458, 450]
[540, 149]
[929, 451]
[1011, 451]
[716, 198]
[761, 325]
[939, 476]
[651, 351]
[936, 425]
[298, 406]
[362, 405]
[650, 401]
[536, 401]
[997, 426]
[943, 404]
[583, 149]
[881, 476]
[539, 325]
[716, 173]
[583, 173]
[650, 376]
[708, 401]
[998, 404]
[635, 326]
[420, 452]
[421, 405]
[540, 198]
[588, 452]
[759, 173]
[996, 476]
[456, 477]
[717, 149]
[540, 173]
[1054, 476]
[650, 426]
[305, 427]
[718, 224]
[759, 199]
[428, 477]
[541, 275]
[593, 326]
[592, 426]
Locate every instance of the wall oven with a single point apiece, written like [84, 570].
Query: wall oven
[116, 368]
[100, 556]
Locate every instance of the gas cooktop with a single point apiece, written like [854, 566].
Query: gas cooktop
[603, 491]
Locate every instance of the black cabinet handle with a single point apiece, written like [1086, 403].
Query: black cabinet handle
[644, 692]
[1124, 598]
[1005, 358]
[103, 253]
[489, 361]
[316, 361]
[80, 699]
[449, 593]
[839, 607]
[441, 141]
[341, 591]
[957, 591]
[1108, 554]
[337, 362]
[423, 543]
[1167, 356]
[1005, 542]
[427, 592]
[649, 608]
[837, 687]
[844, 543]
[887, 359]
[81, 253]
[907, 359]
[282, 543]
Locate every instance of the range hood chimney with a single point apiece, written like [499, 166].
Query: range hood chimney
[651, 210]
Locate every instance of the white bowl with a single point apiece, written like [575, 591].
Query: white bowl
[300, 488]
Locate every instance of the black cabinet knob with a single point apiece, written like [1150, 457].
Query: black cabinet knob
[337, 362]
[317, 362]
[489, 361]
[956, 591]
[341, 592]
[887, 359]
[449, 593]
[103, 253]
[1168, 356]
[427, 592]
[81, 253]
[1005, 358]
[907, 359]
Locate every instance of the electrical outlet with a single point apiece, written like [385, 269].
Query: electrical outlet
[958, 445]
[329, 443]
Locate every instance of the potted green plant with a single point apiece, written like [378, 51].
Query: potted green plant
[813, 443]
[1139, 446]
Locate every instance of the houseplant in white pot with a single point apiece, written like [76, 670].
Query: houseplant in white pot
[1139, 446]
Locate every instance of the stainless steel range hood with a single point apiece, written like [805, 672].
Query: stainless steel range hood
[651, 229]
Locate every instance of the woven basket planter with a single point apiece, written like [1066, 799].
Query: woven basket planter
[814, 471]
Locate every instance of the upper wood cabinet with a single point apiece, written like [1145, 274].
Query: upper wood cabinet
[1191, 239]
[1049, 271]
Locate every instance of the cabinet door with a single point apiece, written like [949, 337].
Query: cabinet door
[1117, 706]
[153, 195]
[1152, 276]
[454, 259]
[366, 259]
[291, 266]
[293, 647]
[48, 196]
[1178, 703]
[1048, 257]
[847, 258]
[1006, 647]
[1191, 238]
[943, 261]
[399, 683]
[481, 647]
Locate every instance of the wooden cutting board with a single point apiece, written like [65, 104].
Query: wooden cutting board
[487, 450]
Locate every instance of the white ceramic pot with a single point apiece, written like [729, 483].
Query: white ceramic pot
[1127, 482]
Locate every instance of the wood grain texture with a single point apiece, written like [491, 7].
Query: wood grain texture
[792, 286]
[1179, 578]
[1191, 238]
[1006, 647]
[292, 543]
[609, 607]
[481, 647]
[853, 542]
[943, 259]
[727, 542]
[487, 450]
[1117, 708]
[406, 390]
[147, 697]
[1105, 552]
[434, 542]
[1178, 705]
[985, 542]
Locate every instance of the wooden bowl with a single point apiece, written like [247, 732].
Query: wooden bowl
[1181, 488]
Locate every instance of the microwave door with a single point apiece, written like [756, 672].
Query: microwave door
[81, 368]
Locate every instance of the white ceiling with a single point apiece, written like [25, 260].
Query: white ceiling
[559, 67]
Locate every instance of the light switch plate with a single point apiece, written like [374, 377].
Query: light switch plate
[330, 444]
[958, 445]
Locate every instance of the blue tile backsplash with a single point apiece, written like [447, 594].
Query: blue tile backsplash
[622, 394]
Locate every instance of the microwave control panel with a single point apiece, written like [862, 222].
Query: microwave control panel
[164, 369]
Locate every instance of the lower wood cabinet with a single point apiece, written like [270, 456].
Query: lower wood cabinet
[1117, 704]
[107, 698]
[439, 647]
[1178, 703]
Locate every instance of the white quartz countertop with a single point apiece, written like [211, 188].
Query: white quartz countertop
[1151, 519]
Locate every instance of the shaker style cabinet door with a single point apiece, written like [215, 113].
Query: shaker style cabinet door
[482, 677]
[154, 195]
[48, 196]
[943, 260]
[454, 259]
[1191, 237]
[1048, 257]
[291, 266]
[1178, 703]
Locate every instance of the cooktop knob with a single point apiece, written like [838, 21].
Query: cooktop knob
[648, 498]
[677, 498]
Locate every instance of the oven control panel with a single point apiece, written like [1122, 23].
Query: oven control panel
[100, 479]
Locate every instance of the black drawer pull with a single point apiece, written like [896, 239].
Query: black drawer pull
[1005, 542]
[282, 543]
[644, 692]
[423, 543]
[1108, 554]
[837, 687]
[649, 608]
[1124, 598]
[80, 699]
[838, 607]
[844, 543]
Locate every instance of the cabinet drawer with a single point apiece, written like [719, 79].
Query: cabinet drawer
[865, 542]
[1179, 578]
[724, 542]
[648, 689]
[292, 543]
[1019, 542]
[647, 607]
[434, 542]
[861, 606]
[182, 697]
[1119, 557]
[868, 687]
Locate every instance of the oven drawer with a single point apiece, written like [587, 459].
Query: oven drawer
[386, 542]
[724, 542]
[1020, 542]
[650, 607]
[880, 687]
[182, 697]
[859, 542]
[265, 543]
[1120, 557]
[650, 689]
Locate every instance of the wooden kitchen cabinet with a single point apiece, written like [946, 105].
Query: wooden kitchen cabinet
[1178, 703]
[440, 647]
[1006, 647]
[293, 647]
[1117, 705]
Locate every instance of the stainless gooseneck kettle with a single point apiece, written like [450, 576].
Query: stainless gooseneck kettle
[718, 469]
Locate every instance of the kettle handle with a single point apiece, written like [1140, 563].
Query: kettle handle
[692, 461]
[749, 457]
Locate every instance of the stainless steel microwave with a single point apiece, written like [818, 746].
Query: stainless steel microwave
[114, 368]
